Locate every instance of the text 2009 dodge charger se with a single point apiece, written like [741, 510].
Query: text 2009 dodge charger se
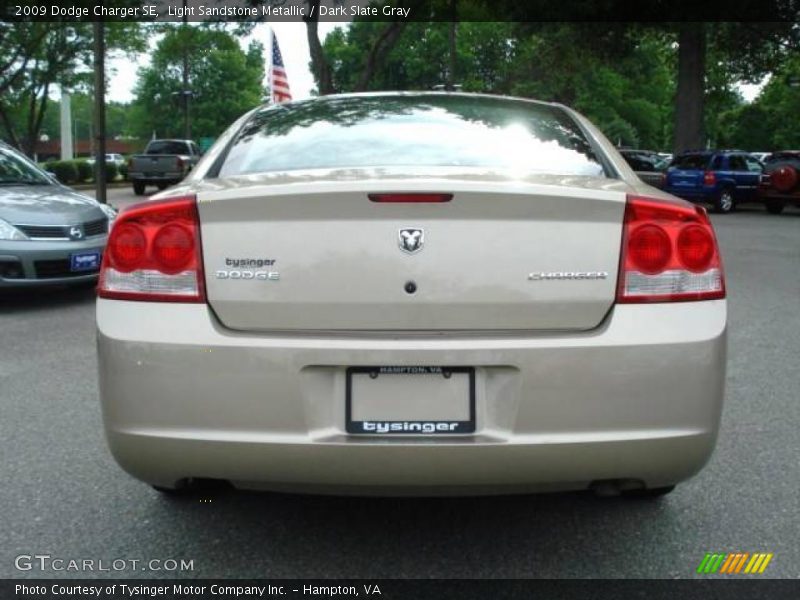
[413, 293]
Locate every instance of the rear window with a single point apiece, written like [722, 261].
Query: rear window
[412, 131]
[691, 161]
[167, 147]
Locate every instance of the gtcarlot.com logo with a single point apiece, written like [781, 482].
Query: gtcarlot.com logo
[47, 562]
[734, 563]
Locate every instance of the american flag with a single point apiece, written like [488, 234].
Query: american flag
[278, 81]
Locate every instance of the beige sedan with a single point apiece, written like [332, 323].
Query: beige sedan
[413, 293]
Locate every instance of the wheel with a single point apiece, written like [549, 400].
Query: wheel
[724, 202]
[162, 186]
[138, 188]
[648, 492]
[775, 207]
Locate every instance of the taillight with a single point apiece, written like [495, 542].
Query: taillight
[709, 178]
[411, 197]
[179, 162]
[153, 254]
[669, 254]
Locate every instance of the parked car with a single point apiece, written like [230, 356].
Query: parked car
[116, 159]
[49, 234]
[164, 163]
[761, 156]
[780, 184]
[649, 166]
[722, 178]
[413, 292]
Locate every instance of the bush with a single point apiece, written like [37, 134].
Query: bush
[85, 170]
[111, 171]
[123, 171]
[65, 170]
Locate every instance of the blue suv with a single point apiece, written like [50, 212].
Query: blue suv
[721, 178]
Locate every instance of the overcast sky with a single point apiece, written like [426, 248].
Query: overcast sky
[291, 38]
[294, 48]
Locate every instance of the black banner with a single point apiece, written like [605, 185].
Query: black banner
[394, 10]
[402, 589]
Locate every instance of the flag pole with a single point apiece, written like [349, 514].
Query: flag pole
[269, 65]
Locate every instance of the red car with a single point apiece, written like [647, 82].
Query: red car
[780, 183]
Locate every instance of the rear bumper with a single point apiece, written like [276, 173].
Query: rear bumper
[639, 398]
[774, 195]
[22, 258]
[173, 177]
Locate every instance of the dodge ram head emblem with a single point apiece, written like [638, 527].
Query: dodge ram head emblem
[411, 240]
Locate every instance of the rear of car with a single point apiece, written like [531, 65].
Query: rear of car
[722, 179]
[164, 163]
[780, 183]
[49, 234]
[413, 293]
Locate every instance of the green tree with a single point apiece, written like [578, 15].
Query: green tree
[37, 56]
[627, 88]
[225, 82]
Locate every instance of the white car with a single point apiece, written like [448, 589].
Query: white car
[117, 159]
[426, 293]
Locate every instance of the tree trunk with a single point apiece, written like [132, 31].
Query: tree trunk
[451, 71]
[689, 131]
[382, 46]
[319, 63]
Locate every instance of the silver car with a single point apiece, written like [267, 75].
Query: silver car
[49, 234]
[413, 293]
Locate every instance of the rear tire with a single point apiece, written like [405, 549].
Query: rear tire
[162, 186]
[775, 207]
[138, 188]
[724, 203]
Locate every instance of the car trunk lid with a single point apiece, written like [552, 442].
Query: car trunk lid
[310, 254]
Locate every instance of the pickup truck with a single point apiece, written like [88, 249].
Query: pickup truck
[164, 163]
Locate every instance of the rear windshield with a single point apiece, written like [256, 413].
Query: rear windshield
[412, 131]
[691, 161]
[167, 147]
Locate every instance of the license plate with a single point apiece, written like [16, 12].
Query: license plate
[410, 400]
[84, 261]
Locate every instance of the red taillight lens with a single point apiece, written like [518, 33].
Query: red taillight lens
[649, 248]
[411, 197]
[154, 254]
[709, 178]
[696, 248]
[669, 254]
[127, 247]
[173, 248]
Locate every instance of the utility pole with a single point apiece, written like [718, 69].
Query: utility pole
[66, 126]
[187, 127]
[100, 112]
[451, 71]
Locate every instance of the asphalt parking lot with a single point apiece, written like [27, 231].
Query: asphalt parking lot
[64, 496]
